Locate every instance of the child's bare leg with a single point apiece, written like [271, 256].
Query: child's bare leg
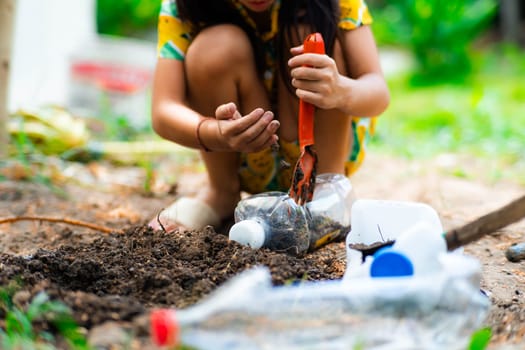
[220, 68]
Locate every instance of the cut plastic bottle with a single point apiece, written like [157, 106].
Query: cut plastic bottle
[275, 221]
[272, 220]
[439, 311]
[330, 209]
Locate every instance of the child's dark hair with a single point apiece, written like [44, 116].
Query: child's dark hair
[318, 15]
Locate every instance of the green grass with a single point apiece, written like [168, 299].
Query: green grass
[18, 330]
[484, 117]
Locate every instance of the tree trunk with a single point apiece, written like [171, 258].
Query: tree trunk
[510, 20]
[7, 12]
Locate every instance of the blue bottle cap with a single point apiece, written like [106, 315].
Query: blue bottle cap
[391, 263]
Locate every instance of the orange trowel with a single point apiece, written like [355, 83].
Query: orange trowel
[303, 180]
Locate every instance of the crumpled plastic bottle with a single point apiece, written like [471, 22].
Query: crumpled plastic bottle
[438, 311]
[275, 221]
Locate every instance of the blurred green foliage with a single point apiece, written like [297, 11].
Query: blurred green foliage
[127, 17]
[18, 329]
[439, 33]
[483, 117]
[456, 97]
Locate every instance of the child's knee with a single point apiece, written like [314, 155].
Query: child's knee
[219, 49]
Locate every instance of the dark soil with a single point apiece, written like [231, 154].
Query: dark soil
[111, 281]
[119, 276]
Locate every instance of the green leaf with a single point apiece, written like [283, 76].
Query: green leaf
[16, 322]
[480, 339]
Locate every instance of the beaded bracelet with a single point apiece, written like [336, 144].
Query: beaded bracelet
[198, 135]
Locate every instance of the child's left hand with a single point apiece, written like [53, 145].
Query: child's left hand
[316, 78]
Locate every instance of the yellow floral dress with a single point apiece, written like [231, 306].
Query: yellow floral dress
[263, 171]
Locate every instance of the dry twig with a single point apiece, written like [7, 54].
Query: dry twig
[160, 223]
[61, 220]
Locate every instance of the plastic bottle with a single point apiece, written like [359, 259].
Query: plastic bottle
[275, 221]
[272, 220]
[423, 244]
[415, 233]
[434, 312]
[330, 209]
[375, 220]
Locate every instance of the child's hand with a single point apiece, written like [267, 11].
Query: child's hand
[316, 78]
[250, 133]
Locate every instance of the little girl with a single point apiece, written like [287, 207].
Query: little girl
[228, 80]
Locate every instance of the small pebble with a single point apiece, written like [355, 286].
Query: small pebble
[516, 252]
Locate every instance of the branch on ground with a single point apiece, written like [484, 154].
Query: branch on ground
[60, 220]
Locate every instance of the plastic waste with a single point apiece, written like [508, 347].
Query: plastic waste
[330, 209]
[437, 311]
[416, 252]
[384, 220]
[391, 263]
[275, 221]
[414, 230]
[272, 220]
[393, 300]
[422, 244]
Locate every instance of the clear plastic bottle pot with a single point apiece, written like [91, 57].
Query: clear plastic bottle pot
[272, 220]
[330, 209]
[275, 221]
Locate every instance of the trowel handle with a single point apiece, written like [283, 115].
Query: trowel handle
[313, 43]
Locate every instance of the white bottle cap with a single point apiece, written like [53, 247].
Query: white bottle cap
[248, 232]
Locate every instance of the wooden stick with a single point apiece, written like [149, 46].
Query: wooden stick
[61, 220]
[7, 10]
[488, 223]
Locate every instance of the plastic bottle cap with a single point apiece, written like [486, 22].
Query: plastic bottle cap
[390, 263]
[248, 232]
[164, 327]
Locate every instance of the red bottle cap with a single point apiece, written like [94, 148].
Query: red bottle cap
[164, 327]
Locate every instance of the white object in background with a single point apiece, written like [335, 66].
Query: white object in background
[46, 33]
[111, 76]
[384, 220]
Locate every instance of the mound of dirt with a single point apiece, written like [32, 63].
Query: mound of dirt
[118, 277]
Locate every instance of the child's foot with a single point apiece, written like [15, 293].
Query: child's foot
[209, 207]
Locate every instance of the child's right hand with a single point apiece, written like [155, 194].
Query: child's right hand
[250, 133]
